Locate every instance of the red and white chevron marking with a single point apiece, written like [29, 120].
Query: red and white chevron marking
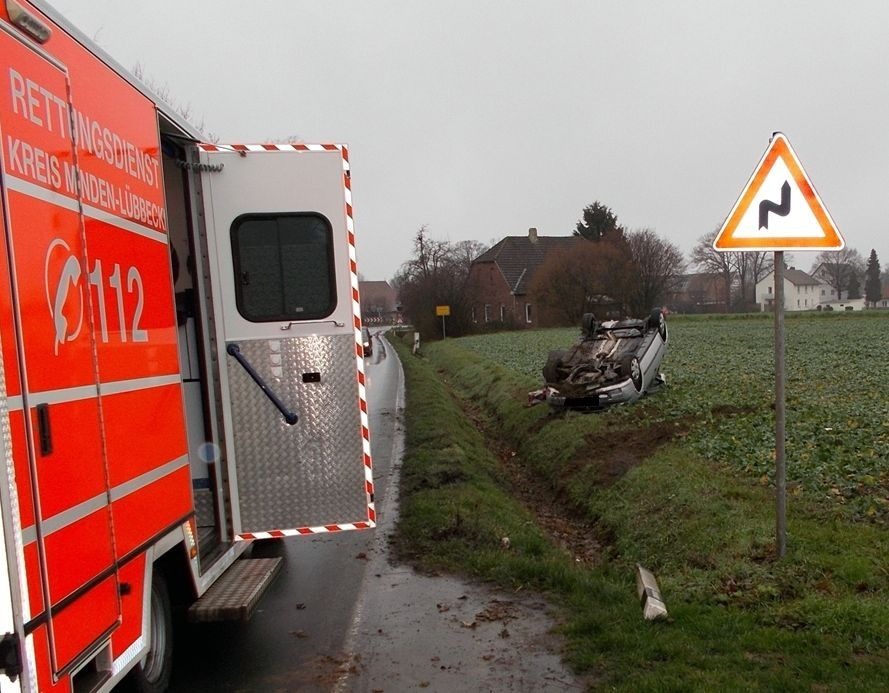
[359, 344]
[300, 531]
[296, 147]
[356, 319]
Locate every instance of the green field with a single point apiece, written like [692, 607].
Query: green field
[721, 379]
[679, 482]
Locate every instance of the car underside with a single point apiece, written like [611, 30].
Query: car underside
[613, 362]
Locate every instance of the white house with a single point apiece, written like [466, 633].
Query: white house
[801, 291]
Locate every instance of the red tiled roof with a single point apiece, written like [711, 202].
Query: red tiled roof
[519, 257]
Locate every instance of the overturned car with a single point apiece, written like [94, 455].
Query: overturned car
[614, 361]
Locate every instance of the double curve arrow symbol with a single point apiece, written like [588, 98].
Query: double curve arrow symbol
[782, 210]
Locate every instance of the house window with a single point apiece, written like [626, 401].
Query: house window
[502, 313]
[797, 303]
[487, 313]
[770, 290]
[528, 313]
[283, 266]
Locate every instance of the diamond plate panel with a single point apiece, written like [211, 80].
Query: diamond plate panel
[205, 513]
[312, 473]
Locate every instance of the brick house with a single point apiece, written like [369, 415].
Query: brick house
[498, 281]
[379, 303]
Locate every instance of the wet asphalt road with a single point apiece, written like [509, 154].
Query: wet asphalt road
[297, 638]
[343, 618]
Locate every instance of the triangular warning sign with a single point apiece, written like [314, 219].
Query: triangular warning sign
[779, 208]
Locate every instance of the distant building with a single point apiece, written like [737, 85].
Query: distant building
[700, 292]
[802, 291]
[845, 304]
[499, 278]
[844, 272]
[379, 303]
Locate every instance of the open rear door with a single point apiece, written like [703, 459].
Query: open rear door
[281, 264]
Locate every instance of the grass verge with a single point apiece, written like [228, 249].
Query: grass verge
[739, 618]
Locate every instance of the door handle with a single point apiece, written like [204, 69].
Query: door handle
[235, 351]
[44, 429]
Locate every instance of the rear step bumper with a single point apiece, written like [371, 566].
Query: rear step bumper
[234, 596]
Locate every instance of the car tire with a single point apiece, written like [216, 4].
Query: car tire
[656, 319]
[630, 367]
[551, 369]
[589, 325]
[152, 675]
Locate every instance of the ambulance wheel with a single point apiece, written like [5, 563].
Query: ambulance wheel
[152, 675]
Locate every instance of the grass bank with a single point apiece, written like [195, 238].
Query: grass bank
[480, 466]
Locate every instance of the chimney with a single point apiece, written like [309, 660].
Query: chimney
[532, 235]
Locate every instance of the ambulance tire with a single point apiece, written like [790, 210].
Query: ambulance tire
[153, 674]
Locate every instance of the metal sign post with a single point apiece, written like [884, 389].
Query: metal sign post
[779, 210]
[443, 311]
[780, 465]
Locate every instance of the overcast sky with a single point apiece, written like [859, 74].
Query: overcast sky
[482, 119]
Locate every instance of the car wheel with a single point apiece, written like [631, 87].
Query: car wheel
[551, 369]
[629, 366]
[152, 675]
[589, 324]
[656, 319]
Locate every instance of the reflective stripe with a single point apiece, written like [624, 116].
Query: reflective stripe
[300, 531]
[125, 224]
[32, 190]
[359, 344]
[70, 394]
[72, 515]
[81, 510]
[295, 147]
[127, 656]
[119, 386]
[73, 394]
[29, 534]
[148, 478]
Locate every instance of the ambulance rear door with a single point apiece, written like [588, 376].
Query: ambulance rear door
[281, 264]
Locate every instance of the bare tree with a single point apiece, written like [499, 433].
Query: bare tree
[467, 251]
[573, 282]
[435, 275]
[162, 91]
[838, 268]
[657, 268]
[709, 260]
[750, 267]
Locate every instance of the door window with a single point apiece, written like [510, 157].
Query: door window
[283, 266]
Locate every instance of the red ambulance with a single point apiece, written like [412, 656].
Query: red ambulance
[181, 368]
